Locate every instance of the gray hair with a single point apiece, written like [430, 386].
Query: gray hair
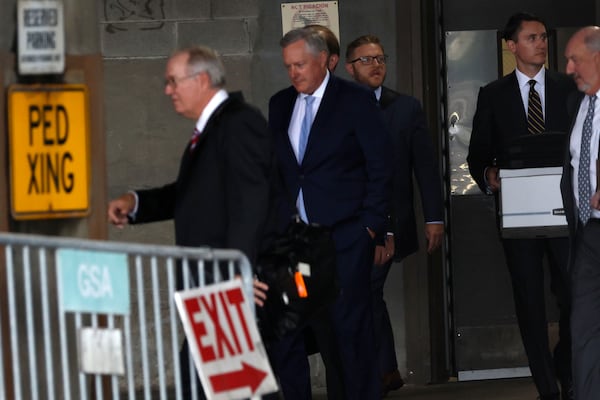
[204, 59]
[314, 42]
[592, 38]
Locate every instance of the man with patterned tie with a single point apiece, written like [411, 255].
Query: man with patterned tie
[341, 181]
[221, 195]
[530, 100]
[581, 197]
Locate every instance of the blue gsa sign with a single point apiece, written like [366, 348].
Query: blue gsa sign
[93, 281]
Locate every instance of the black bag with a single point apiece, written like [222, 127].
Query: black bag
[300, 269]
[534, 151]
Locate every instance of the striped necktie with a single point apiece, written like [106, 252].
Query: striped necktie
[535, 116]
[194, 139]
[583, 174]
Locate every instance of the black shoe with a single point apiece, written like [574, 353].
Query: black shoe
[391, 381]
[567, 393]
[566, 389]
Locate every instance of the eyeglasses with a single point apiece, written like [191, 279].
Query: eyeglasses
[369, 60]
[173, 82]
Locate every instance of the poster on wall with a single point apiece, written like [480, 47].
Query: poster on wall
[298, 15]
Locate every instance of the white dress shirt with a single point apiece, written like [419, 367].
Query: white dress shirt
[540, 87]
[295, 127]
[575, 147]
[208, 110]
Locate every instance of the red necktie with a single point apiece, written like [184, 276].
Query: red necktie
[194, 139]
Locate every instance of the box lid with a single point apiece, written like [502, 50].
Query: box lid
[514, 173]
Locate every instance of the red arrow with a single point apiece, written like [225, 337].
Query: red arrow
[247, 376]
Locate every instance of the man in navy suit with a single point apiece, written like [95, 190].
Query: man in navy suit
[583, 64]
[501, 116]
[340, 180]
[412, 153]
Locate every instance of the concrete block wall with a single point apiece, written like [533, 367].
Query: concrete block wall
[8, 24]
[145, 137]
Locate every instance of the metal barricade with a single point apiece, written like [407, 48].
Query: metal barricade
[40, 346]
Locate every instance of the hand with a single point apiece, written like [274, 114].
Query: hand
[260, 292]
[491, 174]
[434, 233]
[119, 208]
[595, 201]
[384, 253]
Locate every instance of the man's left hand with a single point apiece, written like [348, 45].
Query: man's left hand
[260, 292]
[384, 253]
[595, 201]
[434, 234]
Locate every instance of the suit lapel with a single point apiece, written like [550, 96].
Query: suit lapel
[553, 102]
[287, 109]
[514, 102]
[573, 105]
[326, 108]
[189, 156]
[387, 97]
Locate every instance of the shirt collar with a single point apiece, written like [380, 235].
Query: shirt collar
[377, 93]
[539, 78]
[320, 90]
[210, 108]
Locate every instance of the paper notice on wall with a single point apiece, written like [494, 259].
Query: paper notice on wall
[298, 15]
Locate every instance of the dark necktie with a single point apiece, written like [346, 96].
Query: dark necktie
[194, 139]
[583, 174]
[535, 116]
[305, 127]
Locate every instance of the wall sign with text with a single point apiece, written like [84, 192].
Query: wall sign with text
[41, 33]
[48, 151]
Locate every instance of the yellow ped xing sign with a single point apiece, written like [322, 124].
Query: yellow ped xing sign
[48, 147]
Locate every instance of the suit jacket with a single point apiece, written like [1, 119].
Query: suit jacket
[501, 117]
[221, 195]
[412, 153]
[566, 182]
[343, 175]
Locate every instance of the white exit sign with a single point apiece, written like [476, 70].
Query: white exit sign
[41, 37]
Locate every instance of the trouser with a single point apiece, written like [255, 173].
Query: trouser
[524, 258]
[384, 335]
[585, 316]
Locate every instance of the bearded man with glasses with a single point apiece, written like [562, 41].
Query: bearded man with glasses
[412, 154]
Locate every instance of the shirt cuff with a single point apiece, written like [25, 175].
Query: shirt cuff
[133, 212]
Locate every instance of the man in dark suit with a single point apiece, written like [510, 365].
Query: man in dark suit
[412, 153]
[579, 182]
[502, 116]
[332, 173]
[221, 195]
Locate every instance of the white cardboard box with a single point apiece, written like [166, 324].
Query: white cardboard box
[531, 204]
